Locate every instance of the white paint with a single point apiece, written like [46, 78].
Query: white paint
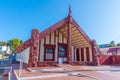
[90, 51]
[65, 40]
[5, 49]
[42, 50]
[47, 39]
[56, 49]
[72, 54]
[85, 59]
[60, 37]
[52, 38]
[80, 54]
[75, 54]
[24, 55]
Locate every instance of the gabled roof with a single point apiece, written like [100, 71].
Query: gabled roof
[61, 24]
[53, 28]
[79, 37]
[23, 46]
[113, 49]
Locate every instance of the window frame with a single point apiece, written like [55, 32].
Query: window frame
[64, 45]
[47, 46]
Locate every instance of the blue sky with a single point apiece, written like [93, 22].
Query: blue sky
[100, 19]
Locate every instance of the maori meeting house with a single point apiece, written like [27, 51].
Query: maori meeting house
[63, 43]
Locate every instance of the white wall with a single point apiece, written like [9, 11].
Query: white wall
[42, 50]
[90, 50]
[24, 55]
[72, 53]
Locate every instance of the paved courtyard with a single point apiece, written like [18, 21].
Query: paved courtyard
[68, 72]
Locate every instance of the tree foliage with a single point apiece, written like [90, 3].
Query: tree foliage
[14, 43]
[2, 43]
[118, 44]
[112, 45]
[1, 52]
[11, 43]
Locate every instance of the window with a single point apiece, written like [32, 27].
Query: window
[62, 51]
[49, 53]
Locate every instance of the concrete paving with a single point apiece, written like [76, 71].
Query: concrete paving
[69, 72]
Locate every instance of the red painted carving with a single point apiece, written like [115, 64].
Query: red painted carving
[34, 48]
[69, 37]
[23, 46]
[94, 52]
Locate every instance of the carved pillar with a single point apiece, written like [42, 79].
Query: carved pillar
[69, 43]
[34, 48]
[69, 37]
[94, 52]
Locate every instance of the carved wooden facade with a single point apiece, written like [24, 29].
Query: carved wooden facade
[65, 37]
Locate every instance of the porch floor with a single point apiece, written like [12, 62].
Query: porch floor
[69, 72]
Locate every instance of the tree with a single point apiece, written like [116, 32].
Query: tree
[112, 44]
[14, 43]
[118, 44]
[2, 43]
[1, 53]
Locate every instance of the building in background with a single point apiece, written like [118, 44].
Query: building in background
[111, 44]
[5, 50]
[103, 45]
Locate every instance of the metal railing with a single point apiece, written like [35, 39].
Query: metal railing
[6, 68]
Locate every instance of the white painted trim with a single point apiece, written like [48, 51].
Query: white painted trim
[75, 54]
[80, 53]
[85, 57]
[16, 75]
[42, 50]
[52, 38]
[56, 49]
[72, 53]
[47, 39]
[90, 51]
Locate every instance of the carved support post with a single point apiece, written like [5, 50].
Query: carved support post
[69, 37]
[94, 52]
[34, 48]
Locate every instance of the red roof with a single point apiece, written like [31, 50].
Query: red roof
[113, 49]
